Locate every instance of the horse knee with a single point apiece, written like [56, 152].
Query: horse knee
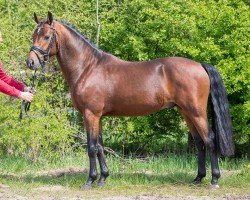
[99, 149]
[92, 150]
[216, 173]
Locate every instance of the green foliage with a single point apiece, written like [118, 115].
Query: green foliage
[143, 30]
[211, 31]
[45, 131]
[161, 132]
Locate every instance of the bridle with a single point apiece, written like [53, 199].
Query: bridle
[44, 53]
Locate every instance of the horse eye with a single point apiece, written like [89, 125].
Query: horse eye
[46, 37]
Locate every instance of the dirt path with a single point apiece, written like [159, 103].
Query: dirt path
[63, 193]
[29, 190]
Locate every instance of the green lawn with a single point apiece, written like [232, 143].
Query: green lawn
[154, 176]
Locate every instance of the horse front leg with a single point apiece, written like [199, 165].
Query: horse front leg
[92, 126]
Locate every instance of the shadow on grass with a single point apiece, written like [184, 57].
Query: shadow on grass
[77, 179]
[168, 178]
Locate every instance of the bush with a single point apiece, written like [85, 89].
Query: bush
[132, 30]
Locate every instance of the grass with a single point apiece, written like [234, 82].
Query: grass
[152, 176]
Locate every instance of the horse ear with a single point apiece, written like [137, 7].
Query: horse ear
[50, 17]
[37, 19]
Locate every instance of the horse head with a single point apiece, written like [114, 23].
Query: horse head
[44, 42]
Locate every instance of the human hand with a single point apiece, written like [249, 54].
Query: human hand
[26, 96]
[29, 89]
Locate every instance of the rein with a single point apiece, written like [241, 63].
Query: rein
[25, 107]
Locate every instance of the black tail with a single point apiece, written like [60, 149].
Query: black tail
[221, 122]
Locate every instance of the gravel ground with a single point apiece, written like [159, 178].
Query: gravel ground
[62, 193]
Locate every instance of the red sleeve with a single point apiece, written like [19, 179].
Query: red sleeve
[9, 90]
[9, 80]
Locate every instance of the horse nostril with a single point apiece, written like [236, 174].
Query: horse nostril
[30, 63]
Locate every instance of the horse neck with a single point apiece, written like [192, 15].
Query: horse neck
[75, 54]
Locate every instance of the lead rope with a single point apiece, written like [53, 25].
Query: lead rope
[25, 104]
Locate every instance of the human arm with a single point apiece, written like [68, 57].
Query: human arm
[9, 90]
[10, 80]
[12, 91]
[12, 87]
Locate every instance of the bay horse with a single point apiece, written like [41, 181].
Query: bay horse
[104, 85]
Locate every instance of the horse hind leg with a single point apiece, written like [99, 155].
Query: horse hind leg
[214, 159]
[208, 137]
[201, 158]
[200, 146]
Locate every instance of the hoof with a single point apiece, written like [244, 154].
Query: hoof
[101, 183]
[87, 186]
[214, 186]
[195, 184]
[196, 181]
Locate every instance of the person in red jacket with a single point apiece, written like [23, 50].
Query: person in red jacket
[12, 87]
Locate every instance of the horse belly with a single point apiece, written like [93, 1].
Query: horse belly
[137, 105]
[139, 97]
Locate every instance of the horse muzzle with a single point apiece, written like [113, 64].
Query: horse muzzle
[31, 64]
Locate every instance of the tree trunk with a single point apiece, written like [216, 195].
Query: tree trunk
[98, 25]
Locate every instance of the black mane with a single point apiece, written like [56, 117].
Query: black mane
[82, 36]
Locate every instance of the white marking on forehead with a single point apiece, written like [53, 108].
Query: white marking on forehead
[40, 27]
[38, 30]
